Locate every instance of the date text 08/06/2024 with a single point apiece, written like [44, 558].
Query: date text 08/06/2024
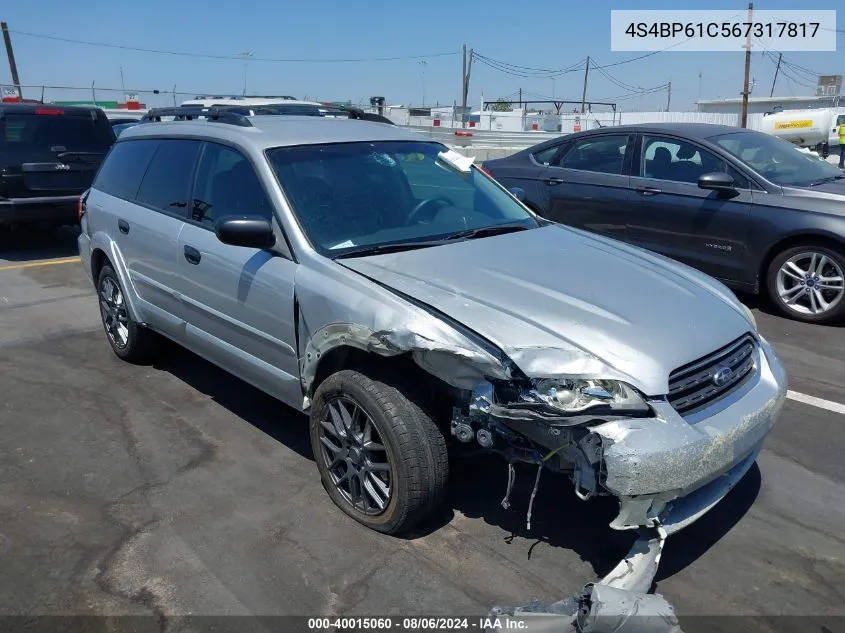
[478, 623]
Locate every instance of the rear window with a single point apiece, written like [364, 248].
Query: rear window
[63, 132]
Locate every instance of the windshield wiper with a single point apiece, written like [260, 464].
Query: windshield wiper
[486, 231]
[828, 179]
[378, 249]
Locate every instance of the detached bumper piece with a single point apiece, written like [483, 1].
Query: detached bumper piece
[619, 603]
[598, 609]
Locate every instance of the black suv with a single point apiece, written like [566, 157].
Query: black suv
[48, 158]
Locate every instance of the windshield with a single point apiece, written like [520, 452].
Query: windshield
[353, 196]
[777, 160]
[51, 132]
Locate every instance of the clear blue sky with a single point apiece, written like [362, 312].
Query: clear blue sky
[548, 35]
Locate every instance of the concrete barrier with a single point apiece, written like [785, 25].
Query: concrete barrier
[486, 153]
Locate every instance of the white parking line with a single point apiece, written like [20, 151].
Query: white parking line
[816, 402]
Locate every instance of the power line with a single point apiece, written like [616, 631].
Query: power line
[576, 66]
[230, 57]
[627, 86]
[526, 72]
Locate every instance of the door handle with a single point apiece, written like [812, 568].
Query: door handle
[551, 182]
[123, 226]
[649, 191]
[192, 255]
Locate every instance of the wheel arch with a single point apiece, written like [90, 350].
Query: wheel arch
[822, 238]
[104, 251]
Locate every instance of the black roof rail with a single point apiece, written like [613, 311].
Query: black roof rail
[233, 115]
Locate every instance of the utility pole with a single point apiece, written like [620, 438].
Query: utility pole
[747, 68]
[466, 86]
[463, 86]
[584, 94]
[520, 98]
[780, 56]
[11, 55]
[669, 97]
[245, 56]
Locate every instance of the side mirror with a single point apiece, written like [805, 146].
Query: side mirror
[518, 193]
[717, 181]
[252, 231]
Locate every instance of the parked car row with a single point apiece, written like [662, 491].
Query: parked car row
[743, 206]
[405, 301]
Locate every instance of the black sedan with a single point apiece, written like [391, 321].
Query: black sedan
[747, 208]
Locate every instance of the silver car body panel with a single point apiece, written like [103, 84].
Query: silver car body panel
[600, 310]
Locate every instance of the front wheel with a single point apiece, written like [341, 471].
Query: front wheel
[807, 283]
[381, 457]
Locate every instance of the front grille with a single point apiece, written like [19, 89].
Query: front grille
[694, 386]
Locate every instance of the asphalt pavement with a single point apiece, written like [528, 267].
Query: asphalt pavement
[174, 488]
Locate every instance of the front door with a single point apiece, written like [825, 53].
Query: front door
[703, 228]
[238, 300]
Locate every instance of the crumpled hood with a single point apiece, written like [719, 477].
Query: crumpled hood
[559, 301]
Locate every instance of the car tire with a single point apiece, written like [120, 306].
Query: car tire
[129, 340]
[413, 466]
[793, 279]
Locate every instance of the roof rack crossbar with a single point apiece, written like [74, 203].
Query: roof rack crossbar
[220, 114]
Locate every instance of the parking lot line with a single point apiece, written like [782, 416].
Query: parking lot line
[49, 262]
[827, 405]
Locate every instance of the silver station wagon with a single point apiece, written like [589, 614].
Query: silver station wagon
[405, 301]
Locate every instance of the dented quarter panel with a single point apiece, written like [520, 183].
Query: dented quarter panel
[652, 455]
[563, 303]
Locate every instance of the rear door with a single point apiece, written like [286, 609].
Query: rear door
[49, 151]
[525, 171]
[587, 184]
[148, 183]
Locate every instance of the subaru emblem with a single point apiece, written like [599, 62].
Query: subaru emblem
[722, 376]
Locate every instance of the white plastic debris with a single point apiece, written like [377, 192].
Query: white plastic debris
[456, 160]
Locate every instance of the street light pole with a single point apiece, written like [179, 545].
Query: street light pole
[423, 63]
[245, 55]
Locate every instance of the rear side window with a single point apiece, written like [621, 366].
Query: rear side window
[56, 132]
[167, 183]
[604, 154]
[124, 167]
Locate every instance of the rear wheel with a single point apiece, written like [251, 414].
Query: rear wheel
[807, 283]
[128, 339]
[381, 457]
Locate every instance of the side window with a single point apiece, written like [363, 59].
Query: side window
[123, 168]
[604, 154]
[665, 158]
[544, 157]
[227, 185]
[167, 183]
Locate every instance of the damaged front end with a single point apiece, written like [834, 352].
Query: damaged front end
[667, 469]
[552, 424]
